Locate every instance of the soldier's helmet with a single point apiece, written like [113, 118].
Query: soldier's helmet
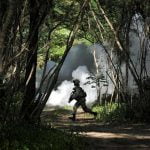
[76, 82]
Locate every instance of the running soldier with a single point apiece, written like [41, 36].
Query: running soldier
[80, 96]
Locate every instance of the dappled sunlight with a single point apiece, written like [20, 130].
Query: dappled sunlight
[96, 134]
[107, 135]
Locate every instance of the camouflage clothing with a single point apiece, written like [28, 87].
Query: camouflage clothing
[79, 95]
[83, 105]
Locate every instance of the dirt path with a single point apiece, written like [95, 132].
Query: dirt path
[99, 136]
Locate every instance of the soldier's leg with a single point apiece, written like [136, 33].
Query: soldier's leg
[75, 107]
[86, 109]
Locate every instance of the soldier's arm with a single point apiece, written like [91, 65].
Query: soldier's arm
[70, 99]
[71, 96]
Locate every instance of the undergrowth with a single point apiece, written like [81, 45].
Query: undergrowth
[31, 137]
[110, 113]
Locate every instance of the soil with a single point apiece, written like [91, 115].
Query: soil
[97, 135]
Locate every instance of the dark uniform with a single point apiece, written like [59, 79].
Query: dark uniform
[80, 96]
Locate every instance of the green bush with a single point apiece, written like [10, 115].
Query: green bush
[110, 112]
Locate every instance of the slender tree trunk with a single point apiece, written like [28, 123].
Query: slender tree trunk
[54, 76]
[8, 10]
[30, 76]
[38, 11]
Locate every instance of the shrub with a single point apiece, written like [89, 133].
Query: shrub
[110, 112]
[31, 137]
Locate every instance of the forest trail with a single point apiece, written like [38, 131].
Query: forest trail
[99, 136]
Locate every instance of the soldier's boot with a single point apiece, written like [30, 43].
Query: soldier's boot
[73, 118]
[95, 114]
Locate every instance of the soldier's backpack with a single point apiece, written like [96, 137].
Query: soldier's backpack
[78, 93]
[82, 93]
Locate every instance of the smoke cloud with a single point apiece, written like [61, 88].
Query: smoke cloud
[60, 96]
[79, 55]
[139, 44]
[79, 64]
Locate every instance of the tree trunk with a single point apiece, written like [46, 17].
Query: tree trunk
[30, 76]
[7, 16]
[54, 76]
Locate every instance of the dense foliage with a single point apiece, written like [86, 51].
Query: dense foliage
[29, 137]
[35, 31]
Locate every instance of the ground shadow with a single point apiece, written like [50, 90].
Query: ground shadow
[97, 135]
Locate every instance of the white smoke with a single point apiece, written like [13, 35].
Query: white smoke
[82, 73]
[139, 43]
[79, 55]
[60, 96]
[104, 67]
[79, 64]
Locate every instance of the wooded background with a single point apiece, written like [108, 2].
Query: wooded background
[35, 31]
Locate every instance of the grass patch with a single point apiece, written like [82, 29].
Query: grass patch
[31, 137]
[110, 113]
